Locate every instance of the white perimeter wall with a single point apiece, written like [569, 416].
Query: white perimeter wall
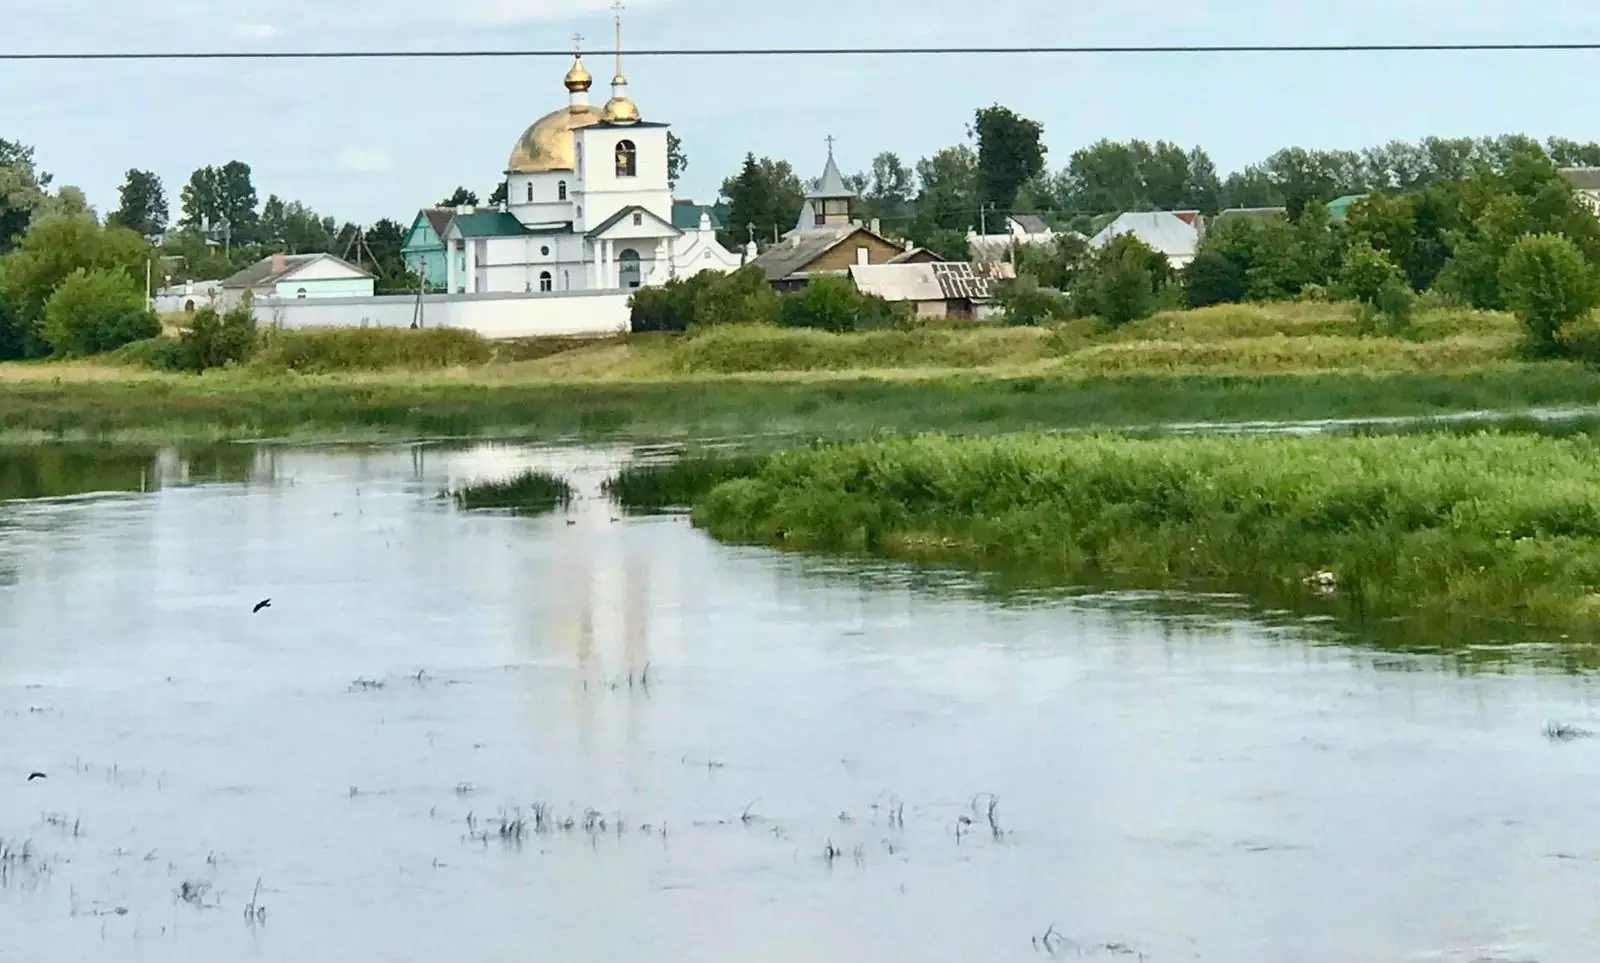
[491, 315]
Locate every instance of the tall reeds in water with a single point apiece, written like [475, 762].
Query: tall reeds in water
[676, 484]
[531, 491]
[1498, 527]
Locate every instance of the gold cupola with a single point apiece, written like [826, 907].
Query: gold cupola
[620, 109]
[578, 79]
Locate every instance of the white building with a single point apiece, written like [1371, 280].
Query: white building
[1165, 231]
[1585, 183]
[1019, 229]
[588, 207]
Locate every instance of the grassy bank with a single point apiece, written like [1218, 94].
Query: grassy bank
[1500, 529]
[229, 406]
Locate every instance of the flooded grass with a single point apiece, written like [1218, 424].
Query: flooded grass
[1491, 527]
[530, 491]
[241, 406]
[676, 484]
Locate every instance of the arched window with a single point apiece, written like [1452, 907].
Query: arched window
[627, 159]
[546, 282]
[561, 190]
[300, 293]
[530, 192]
[628, 268]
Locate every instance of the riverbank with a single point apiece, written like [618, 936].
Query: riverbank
[1492, 530]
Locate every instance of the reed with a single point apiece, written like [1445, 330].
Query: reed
[531, 491]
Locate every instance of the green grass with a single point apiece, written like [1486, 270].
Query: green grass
[1496, 530]
[676, 484]
[233, 406]
[326, 350]
[532, 491]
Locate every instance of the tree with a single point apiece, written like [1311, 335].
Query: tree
[1010, 154]
[461, 198]
[214, 341]
[1547, 285]
[1056, 263]
[833, 304]
[887, 194]
[142, 204]
[95, 310]
[764, 197]
[1121, 283]
[55, 248]
[18, 339]
[947, 200]
[500, 194]
[292, 227]
[1212, 278]
[677, 160]
[22, 189]
[215, 195]
[1369, 277]
[67, 201]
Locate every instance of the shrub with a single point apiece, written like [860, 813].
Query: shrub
[1547, 284]
[97, 310]
[834, 304]
[159, 353]
[18, 338]
[1212, 278]
[667, 307]
[1122, 283]
[1369, 277]
[741, 297]
[213, 341]
[1024, 301]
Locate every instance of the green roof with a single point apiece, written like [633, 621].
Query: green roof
[489, 224]
[686, 215]
[1340, 206]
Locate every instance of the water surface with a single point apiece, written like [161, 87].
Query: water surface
[1193, 786]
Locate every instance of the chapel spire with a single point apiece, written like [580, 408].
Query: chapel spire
[620, 109]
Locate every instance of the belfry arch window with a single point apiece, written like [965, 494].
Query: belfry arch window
[627, 159]
[561, 191]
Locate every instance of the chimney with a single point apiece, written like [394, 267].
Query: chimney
[502, 207]
[877, 226]
[465, 209]
[280, 263]
[910, 244]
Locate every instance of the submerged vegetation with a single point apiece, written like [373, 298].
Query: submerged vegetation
[676, 484]
[1489, 527]
[531, 491]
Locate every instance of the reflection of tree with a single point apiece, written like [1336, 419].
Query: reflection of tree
[52, 471]
[220, 464]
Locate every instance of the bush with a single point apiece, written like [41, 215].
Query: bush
[322, 350]
[1547, 284]
[213, 341]
[1369, 277]
[18, 338]
[834, 304]
[97, 310]
[1212, 278]
[158, 353]
[1024, 301]
[1122, 283]
[667, 307]
[702, 299]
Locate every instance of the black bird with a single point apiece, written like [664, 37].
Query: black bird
[37, 775]
[263, 604]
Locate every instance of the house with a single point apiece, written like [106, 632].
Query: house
[1585, 183]
[825, 240]
[1339, 207]
[686, 214]
[1019, 229]
[1165, 231]
[298, 276]
[588, 206]
[185, 296]
[423, 249]
[945, 289]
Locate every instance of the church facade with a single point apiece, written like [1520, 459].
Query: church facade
[588, 207]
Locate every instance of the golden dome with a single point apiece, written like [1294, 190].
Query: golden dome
[619, 109]
[549, 144]
[578, 79]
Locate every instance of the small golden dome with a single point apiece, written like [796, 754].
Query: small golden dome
[620, 110]
[549, 145]
[578, 79]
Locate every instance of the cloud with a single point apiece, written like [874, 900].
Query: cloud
[256, 31]
[365, 160]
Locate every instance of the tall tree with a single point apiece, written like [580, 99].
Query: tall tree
[22, 189]
[68, 201]
[1010, 154]
[217, 194]
[142, 204]
[677, 160]
[889, 188]
[384, 240]
[462, 197]
[500, 194]
[764, 199]
[291, 226]
[947, 200]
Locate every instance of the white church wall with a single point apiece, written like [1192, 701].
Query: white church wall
[547, 205]
[578, 313]
[604, 193]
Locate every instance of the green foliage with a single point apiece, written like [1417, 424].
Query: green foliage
[323, 350]
[1056, 263]
[1448, 526]
[218, 195]
[739, 297]
[18, 339]
[56, 247]
[764, 199]
[1138, 176]
[1023, 301]
[676, 484]
[1122, 281]
[948, 201]
[666, 307]
[677, 160]
[293, 228]
[531, 491]
[22, 190]
[1212, 278]
[143, 204]
[1547, 284]
[460, 197]
[97, 310]
[834, 304]
[1010, 154]
[216, 341]
[159, 353]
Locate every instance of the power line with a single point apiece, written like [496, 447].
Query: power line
[813, 52]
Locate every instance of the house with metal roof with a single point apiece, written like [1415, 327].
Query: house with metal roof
[946, 289]
[298, 276]
[1585, 183]
[1339, 207]
[1163, 231]
[423, 247]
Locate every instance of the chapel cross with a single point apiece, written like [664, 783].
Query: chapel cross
[577, 43]
[830, 145]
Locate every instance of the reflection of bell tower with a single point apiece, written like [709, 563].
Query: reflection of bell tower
[635, 613]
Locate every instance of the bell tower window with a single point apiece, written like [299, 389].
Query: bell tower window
[627, 159]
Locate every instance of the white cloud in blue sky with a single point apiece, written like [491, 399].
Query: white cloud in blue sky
[315, 131]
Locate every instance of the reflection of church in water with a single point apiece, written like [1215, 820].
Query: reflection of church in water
[605, 610]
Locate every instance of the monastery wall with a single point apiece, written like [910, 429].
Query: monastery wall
[520, 315]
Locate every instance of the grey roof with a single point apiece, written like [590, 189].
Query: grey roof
[800, 248]
[1162, 230]
[616, 219]
[939, 281]
[831, 185]
[1031, 223]
[262, 272]
[1582, 178]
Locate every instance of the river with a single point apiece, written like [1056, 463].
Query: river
[477, 736]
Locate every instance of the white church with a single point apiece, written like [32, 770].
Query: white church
[588, 207]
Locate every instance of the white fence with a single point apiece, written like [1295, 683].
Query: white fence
[491, 315]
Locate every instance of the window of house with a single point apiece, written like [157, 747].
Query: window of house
[530, 192]
[546, 282]
[638, 219]
[561, 190]
[300, 293]
[627, 159]
[545, 251]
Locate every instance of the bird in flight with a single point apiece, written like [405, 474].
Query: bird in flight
[263, 604]
[36, 775]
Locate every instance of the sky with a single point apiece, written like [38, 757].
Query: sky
[360, 140]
